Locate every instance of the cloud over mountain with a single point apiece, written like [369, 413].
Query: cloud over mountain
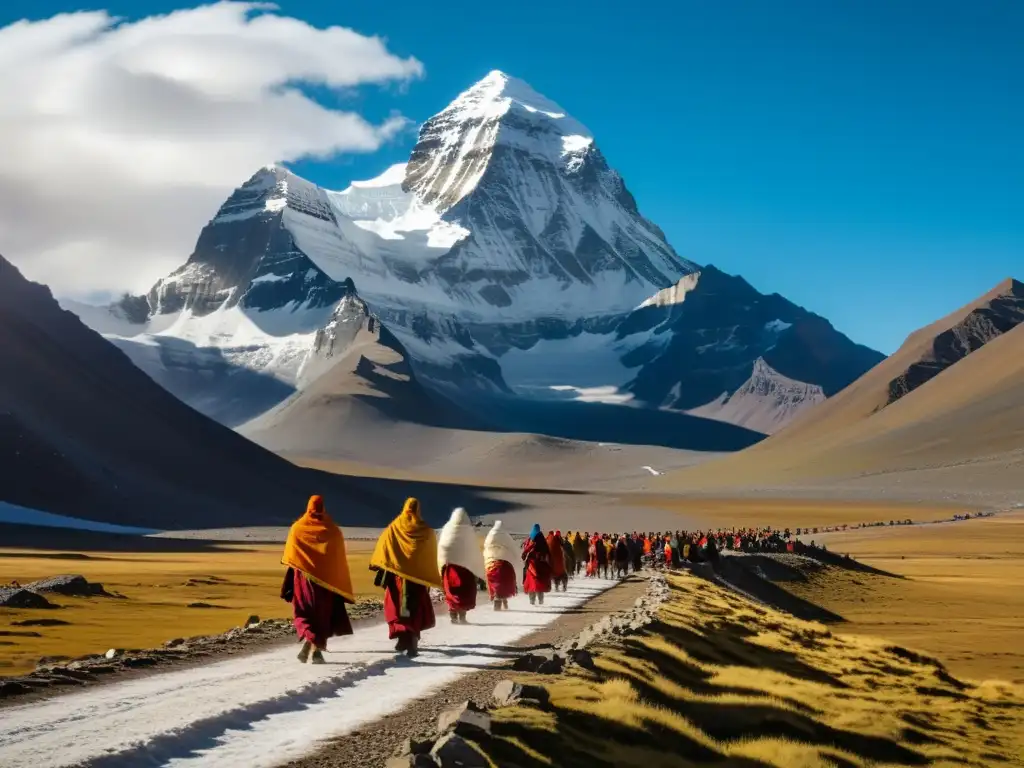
[121, 136]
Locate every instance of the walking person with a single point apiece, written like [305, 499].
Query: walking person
[556, 555]
[318, 582]
[461, 564]
[537, 561]
[499, 555]
[405, 560]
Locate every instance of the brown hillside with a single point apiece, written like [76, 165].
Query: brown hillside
[956, 414]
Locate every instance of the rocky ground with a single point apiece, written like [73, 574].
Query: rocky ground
[416, 727]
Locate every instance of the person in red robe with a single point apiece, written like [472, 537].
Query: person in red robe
[405, 560]
[556, 556]
[317, 582]
[461, 564]
[499, 551]
[537, 576]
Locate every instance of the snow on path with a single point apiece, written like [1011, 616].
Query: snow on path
[265, 709]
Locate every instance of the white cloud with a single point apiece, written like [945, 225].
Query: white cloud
[120, 138]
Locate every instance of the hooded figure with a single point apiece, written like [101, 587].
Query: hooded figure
[317, 582]
[499, 555]
[580, 551]
[537, 558]
[570, 557]
[556, 555]
[405, 559]
[621, 557]
[461, 563]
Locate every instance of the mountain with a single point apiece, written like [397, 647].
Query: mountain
[510, 263]
[765, 402]
[86, 434]
[951, 396]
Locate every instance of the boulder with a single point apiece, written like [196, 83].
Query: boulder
[251, 621]
[19, 597]
[453, 751]
[114, 653]
[73, 585]
[10, 688]
[582, 658]
[467, 719]
[509, 693]
[175, 642]
[544, 662]
[136, 662]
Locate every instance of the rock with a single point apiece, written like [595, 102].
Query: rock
[67, 584]
[414, 747]
[19, 597]
[545, 662]
[48, 661]
[509, 693]
[582, 658]
[467, 719]
[453, 751]
[113, 653]
[252, 620]
[552, 666]
[175, 642]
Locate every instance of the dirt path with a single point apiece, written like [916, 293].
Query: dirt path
[371, 745]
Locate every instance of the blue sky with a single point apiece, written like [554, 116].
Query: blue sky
[864, 158]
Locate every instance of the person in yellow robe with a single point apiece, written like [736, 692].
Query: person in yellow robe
[318, 582]
[405, 559]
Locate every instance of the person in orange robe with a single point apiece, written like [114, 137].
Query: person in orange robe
[537, 557]
[318, 582]
[559, 576]
[405, 559]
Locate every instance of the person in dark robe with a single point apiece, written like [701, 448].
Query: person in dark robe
[570, 557]
[621, 558]
[537, 561]
[601, 555]
[580, 551]
[405, 560]
[317, 582]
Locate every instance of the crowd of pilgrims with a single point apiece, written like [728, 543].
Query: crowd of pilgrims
[410, 559]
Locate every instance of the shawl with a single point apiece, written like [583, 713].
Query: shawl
[458, 545]
[316, 547]
[408, 548]
[555, 552]
[499, 546]
[535, 532]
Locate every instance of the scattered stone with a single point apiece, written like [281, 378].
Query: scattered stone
[175, 642]
[509, 693]
[20, 597]
[453, 751]
[543, 662]
[72, 585]
[467, 719]
[113, 653]
[251, 621]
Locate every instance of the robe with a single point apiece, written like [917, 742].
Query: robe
[537, 576]
[459, 588]
[317, 612]
[556, 556]
[407, 607]
[501, 580]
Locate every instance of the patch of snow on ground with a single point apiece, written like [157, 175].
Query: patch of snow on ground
[12, 513]
[607, 395]
[652, 470]
[265, 709]
[777, 326]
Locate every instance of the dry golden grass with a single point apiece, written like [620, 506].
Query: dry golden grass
[794, 513]
[157, 589]
[963, 598]
[721, 680]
